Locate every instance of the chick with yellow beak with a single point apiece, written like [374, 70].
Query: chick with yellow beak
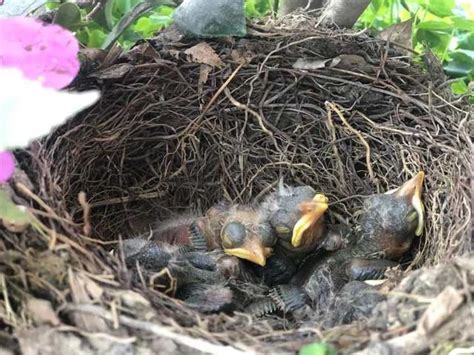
[296, 213]
[388, 224]
[249, 242]
[239, 231]
[410, 192]
[309, 228]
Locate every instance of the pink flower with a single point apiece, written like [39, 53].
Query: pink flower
[7, 166]
[47, 53]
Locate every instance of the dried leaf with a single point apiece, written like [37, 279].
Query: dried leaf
[133, 299]
[204, 71]
[242, 56]
[440, 310]
[81, 287]
[354, 62]
[46, 340]
[116, 71]
[400, 33]
[92, 54]
[311, 64]
[204, 54]
[41, 311]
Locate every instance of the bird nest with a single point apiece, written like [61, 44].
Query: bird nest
[183, 124]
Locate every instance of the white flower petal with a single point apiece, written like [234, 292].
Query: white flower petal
[29, 111]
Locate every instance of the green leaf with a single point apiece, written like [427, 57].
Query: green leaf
[96, 38]
[317, 349]
[68, 15]
[258, 8]
[441, 8]
[435, 26]
[437, 41]
[376, 5]
[108, 12]
[461, 64]
[461, 23]
[52, 5]
[459, 87]
[11, 212]
[126, 21]
[466, 41]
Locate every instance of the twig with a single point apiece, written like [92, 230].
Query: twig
[248, 109]
[332, 129]
[358, 134]
[86, 209]
[197, 344]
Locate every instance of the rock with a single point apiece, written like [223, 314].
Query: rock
[218, 18]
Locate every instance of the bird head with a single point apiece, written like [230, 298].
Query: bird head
[392, 219]
[312, 213]
[295, 213]
[246, 236]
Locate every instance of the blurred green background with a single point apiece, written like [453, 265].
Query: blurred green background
[444, 26]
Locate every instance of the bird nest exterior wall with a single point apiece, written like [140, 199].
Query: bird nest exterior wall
[185, 124]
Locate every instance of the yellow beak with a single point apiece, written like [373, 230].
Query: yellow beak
[413, 189]
[252, 251]
[312, 212]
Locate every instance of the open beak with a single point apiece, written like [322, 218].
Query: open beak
[252, 251]
[312, 212]
[412, 189]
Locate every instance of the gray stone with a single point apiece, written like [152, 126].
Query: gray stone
[217, 18]
[19, 7]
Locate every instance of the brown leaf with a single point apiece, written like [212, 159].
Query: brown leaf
[84, 290]
[116, 71]
[400, 33]
[354, 62]
[41, 311]
[204, 71]
[440, 310]
[92, 54]
[143, 50]
[48, 341]
[311, 64]
[242, 56]
[204, 54]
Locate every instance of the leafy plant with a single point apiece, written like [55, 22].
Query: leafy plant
[317, 349]
[444, 26]
[259, 8]
[124, 20]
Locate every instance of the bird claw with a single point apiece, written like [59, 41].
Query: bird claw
[366, 269]
[288, 298]
[198, 241]
[262, 307]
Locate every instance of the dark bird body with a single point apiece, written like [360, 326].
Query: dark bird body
[203, 253]
[296, 215]
[388, 224]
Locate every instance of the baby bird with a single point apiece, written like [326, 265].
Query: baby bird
[296, 215]
[388, 224]
[196, 277]
[240, 231]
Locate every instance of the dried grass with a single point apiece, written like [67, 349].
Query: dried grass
[162, 140]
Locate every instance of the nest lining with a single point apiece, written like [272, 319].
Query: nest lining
[170, 136]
